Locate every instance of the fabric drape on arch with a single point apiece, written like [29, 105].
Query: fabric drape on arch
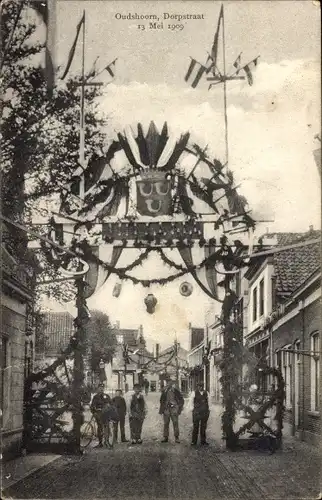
[97, 274]
[206, 276]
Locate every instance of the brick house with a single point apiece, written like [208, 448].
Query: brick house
[16, 350]
[282, 305]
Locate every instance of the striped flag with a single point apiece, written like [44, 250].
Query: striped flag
[73, 47]
[201, 70]
[237, 63]
[248, 70]
[47, 11]
[111, 68]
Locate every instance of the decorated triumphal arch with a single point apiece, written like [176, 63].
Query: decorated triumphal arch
[154, 192]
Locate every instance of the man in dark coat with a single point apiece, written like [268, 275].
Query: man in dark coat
[199, 404]
[120, 405]
[98, 403]
[138, 412]
[171, 404]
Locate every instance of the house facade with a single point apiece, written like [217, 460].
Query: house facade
[177, 369]
[16, 350]
[121, 374]
[282, 324]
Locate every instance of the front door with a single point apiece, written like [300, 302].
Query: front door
[297, 366]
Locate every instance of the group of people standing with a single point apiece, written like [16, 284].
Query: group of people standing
[106, 409]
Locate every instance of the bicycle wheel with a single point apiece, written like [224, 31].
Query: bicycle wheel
[87, 434]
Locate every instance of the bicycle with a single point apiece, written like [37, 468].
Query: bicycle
[89, 431]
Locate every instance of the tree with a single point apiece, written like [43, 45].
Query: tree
[40, 136]
[101, 339]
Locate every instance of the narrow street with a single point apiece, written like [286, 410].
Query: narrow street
[176, 471]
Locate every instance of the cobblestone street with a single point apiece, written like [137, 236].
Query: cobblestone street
[168, 471]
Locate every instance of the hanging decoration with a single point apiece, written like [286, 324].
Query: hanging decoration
[150, 303]
[186, 289]
[117, 290]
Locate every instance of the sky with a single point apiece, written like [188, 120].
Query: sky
[271, 125]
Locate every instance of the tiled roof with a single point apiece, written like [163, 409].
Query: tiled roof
[294, 266]
[182, 353]
[284, 239]
[58, 328]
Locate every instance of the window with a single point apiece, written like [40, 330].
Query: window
[254, 304]
[315, 372]
[287, 374]
[261, 298]
[119, 339]
[3, 367]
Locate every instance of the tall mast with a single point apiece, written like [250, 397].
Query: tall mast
[225, 86]
[82, 113]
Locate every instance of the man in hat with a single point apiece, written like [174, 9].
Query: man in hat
[199, 404]
[171, 405]
[99, 401]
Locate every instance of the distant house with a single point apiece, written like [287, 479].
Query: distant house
[196, 356]
[121, 374]
[282, 324]
[177, 368]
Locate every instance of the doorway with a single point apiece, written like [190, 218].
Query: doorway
[297, 367]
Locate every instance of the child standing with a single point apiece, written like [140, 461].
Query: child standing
[120, 405]
[109, 421]
[137, 414]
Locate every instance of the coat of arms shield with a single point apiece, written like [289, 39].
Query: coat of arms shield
[154, 194]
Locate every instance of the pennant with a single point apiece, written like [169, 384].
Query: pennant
[202, 69]
[46, 9]
[73, 47]
[110, 68]
[247, 69]
[214, 48]
[237, 64]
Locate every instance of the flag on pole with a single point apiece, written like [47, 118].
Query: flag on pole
[46, 9]
[73, 47]
[248, 71]
[201, 70]
[214, 49]
[237, 64]
[111, 68]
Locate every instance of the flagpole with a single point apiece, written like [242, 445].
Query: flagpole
[82, 110]
[225, 85]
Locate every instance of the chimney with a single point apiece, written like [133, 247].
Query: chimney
[157, 350]
[311, 229]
